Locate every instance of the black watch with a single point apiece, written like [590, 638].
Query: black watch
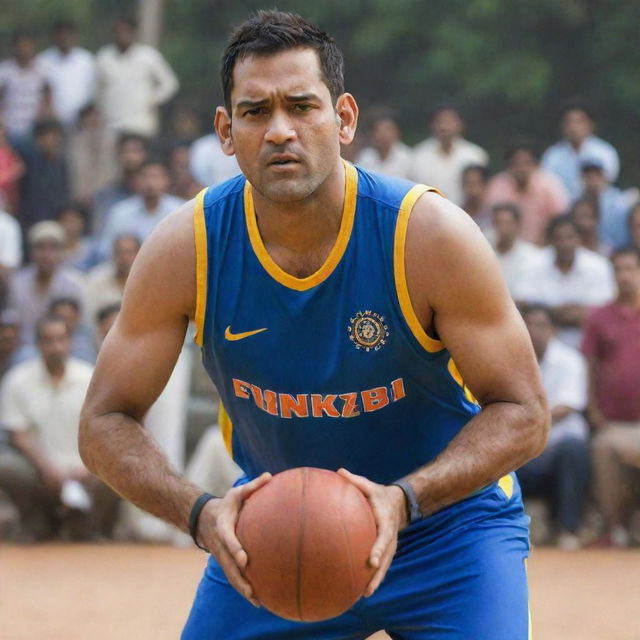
[415, 513]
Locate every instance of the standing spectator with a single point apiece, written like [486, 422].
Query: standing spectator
[563, 159]
[45, 185]
[475, 178]
[24, 92]
[11, 170]
[612, 347]
[561, 470]
[33, 287]
[569, 280]
[539, 195]
[105, 319]
[69, 71]
[133, 81]
[208, 164]
[439, 161]
[612, 204]
[131, 154]
[81, 339]
[585, 212]
[10, 251]
[40, 407]
[140, 214]
[78, 250]
[387, 153]
[183, 185]
[517, 256]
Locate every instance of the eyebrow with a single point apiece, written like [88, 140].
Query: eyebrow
[253, 104]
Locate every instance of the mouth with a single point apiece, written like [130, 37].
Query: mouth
[283, 160]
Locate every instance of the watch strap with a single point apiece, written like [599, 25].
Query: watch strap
[415, 512]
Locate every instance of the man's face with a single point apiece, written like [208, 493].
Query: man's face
[64, 38]
[565, 240]
[131, 155]
[46, 255]
[123, 35]
[585, 217]
[54, 343]
[9, 338]
[473, 186]
[153, 181]
[125, 250]
[505, 225]
[73, 222]
[446, 125]
[284, 129]
[521, 165]
[24, 49]
[68, 313]
[576, 126]
[540, 329]
[593, 180]
[626, 269]
[49, 142]
[384, 134]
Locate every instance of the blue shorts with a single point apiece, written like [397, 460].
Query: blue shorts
[458, 575]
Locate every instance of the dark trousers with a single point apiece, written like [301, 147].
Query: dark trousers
[561, 473]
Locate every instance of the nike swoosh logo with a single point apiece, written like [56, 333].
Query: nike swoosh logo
[240, 336]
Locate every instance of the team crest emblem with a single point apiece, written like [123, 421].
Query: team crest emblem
[368, 331]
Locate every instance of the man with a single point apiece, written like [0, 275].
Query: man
[140, 214]
[133, 81]
[612, 347]
[569, 280]
[387, 153]
[80, 337]
[69, 71]
[40, 402]
[539, 195]
[517, 257]
[474, 182]
[561, 471]
[10, 251]
[563, 158]
[306, 268]
[440, 160]
[208, 164]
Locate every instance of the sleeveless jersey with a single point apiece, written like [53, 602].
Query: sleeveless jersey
[331, 370]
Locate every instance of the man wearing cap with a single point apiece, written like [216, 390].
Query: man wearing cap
[32, 288]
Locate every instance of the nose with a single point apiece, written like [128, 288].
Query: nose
[280, 130]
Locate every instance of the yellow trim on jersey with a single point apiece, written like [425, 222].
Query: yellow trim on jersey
[506, 484]
[226, 428]
[399, 270]
[457, 376]
[336, 253]
[200, 238]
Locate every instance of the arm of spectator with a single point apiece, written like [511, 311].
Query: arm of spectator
[166, 82]
[596, 418]
[560, 412]
[46, 109]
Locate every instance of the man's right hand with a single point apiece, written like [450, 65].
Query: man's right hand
[217, 532]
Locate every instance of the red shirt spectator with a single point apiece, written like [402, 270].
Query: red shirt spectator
[11, 170]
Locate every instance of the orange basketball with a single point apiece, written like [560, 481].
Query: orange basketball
[308, 534]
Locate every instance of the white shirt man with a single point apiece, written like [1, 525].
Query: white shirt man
[10, 242]
[397, 164]
[208, 164]
[517, 261]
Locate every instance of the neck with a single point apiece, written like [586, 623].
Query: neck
[505, 244]
[576, 144]
[384, 153]
[565, 264]
[446, 145]
[56, 370]
[151, 203]
[629, 299]
[44, 277]
[473, 206]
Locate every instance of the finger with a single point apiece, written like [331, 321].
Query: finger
[229, 539]
[379, 575]
[235, 577]
[366, 486]
[381, 543]
[247, 489]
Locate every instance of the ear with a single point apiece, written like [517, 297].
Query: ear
[222, 125]
[347, 116]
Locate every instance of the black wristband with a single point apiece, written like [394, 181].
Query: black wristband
[194, 516]
[415, 513]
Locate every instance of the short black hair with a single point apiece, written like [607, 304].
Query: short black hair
[576, 103]
[65, 301]
[560, 221]
[64, 24]
[21, 33]
[75, 206]
[592, 202]
[129, 21]
[153, 161]
[378, 114]
[511, 207]
[126, 236]
[49, 319]
[625, 251]
[128, 136]
[536, 306]
[522, 144]
[104, 312]
[269, 32]
[445, 106]
[477, 168]
[46, 126]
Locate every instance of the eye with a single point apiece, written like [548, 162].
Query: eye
[302, 107]
[257, 111]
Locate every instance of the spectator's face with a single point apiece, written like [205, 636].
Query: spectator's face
[69, 314]
[123, 35]
[153, 181]
[104, 326]
[634, 227]
[46, 255]
[506, 226]
[593, 180]
[446, 125]
[9, 339]
[73, 223]
[186, 125]
[626, 268]
[131, 156]
[54, 344]
[24, 50]
[49, 142]
[565, 240]
[179, 162]
[384, 134]
[473, 186]
[576, 126]
[584, 215]
[540, 329]
[521, 165]
[125, 250]
[64, 38]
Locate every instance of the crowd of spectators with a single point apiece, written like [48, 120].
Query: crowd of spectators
[86, 175]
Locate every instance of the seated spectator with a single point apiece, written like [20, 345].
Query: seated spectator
[612, 204]
[105, 282]
[208, 164]
[539, 195]
[32, 288]
[79, 249]
[105, 319]
[612, 347]
[9, 340]
[140, 214]
[569, 280]
[633, 225]
[387, 153]
[45, 185]
[563, 159]
[439, 160]
[517, 256]
[183, 185]
[475, 179]
[131, 151]
[585, 212]
[561, 470]
[10, 252]
[81, 339]
[43, 474]
[11, 170]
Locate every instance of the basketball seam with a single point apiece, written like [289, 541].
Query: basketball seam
[301, 528]
[348, 542]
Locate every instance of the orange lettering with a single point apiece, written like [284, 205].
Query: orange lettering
[271, 402]
[297, 405]
[256, 392]
[240, 388]
[323, 404]
[397, 387]
[350, 408]
[374, 399]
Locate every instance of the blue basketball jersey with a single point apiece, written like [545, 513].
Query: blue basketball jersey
[331, 370]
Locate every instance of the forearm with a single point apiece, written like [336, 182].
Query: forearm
[501, 438]
[117, 449]
[560, 412]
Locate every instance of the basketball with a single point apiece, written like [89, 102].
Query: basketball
[308, 534]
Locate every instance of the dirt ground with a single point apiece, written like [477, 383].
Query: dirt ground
[127, 592]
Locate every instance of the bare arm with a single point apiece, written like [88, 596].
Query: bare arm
[51, 475]
[594, 413]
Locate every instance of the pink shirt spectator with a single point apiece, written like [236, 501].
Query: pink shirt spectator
[612, 337]
[543, 198]
[11, 170]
